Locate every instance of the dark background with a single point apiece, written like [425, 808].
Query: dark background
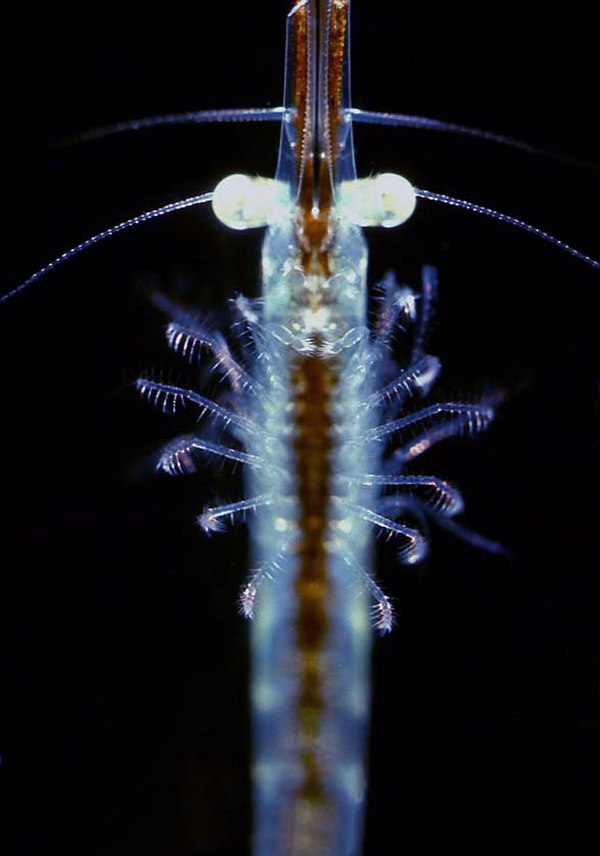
[124, 723]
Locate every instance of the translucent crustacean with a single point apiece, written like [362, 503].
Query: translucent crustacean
[472, 326]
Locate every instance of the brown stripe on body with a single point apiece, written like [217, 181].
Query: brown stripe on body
[313, 380]
[330, 114]
[310, 826]
[315, 201]
[303, 119]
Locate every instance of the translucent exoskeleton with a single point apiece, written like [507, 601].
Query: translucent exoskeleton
[126, 659]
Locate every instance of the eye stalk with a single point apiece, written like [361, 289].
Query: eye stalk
[249, 202]
[386, 200]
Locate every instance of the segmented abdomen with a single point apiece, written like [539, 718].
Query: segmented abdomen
[312, 419]
[311, 634]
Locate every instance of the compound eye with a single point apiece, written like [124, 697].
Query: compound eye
[246, 202]
[383, 200]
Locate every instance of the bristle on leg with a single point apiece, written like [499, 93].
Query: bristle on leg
[170, 397]
[445, 498]
[383, 612]
[416, 547]
[177, 457]
[249, 593]
[211, 519]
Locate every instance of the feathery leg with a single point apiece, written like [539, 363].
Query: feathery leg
[416, 546]
[477, 417]
[446, 498]
[384, 613]
[177, 456]
[211, 518]
[169, 397]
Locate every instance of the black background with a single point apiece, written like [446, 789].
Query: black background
[124, 662]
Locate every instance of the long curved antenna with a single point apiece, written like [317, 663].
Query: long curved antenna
[107, 233]
[275, 114]
[402, 120]
[506, 218]
[192, 117]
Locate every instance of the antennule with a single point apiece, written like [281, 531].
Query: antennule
[107, 233]
[507, 218]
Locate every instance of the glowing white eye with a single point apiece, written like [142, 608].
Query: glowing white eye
[384, 200]
[245, 202]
